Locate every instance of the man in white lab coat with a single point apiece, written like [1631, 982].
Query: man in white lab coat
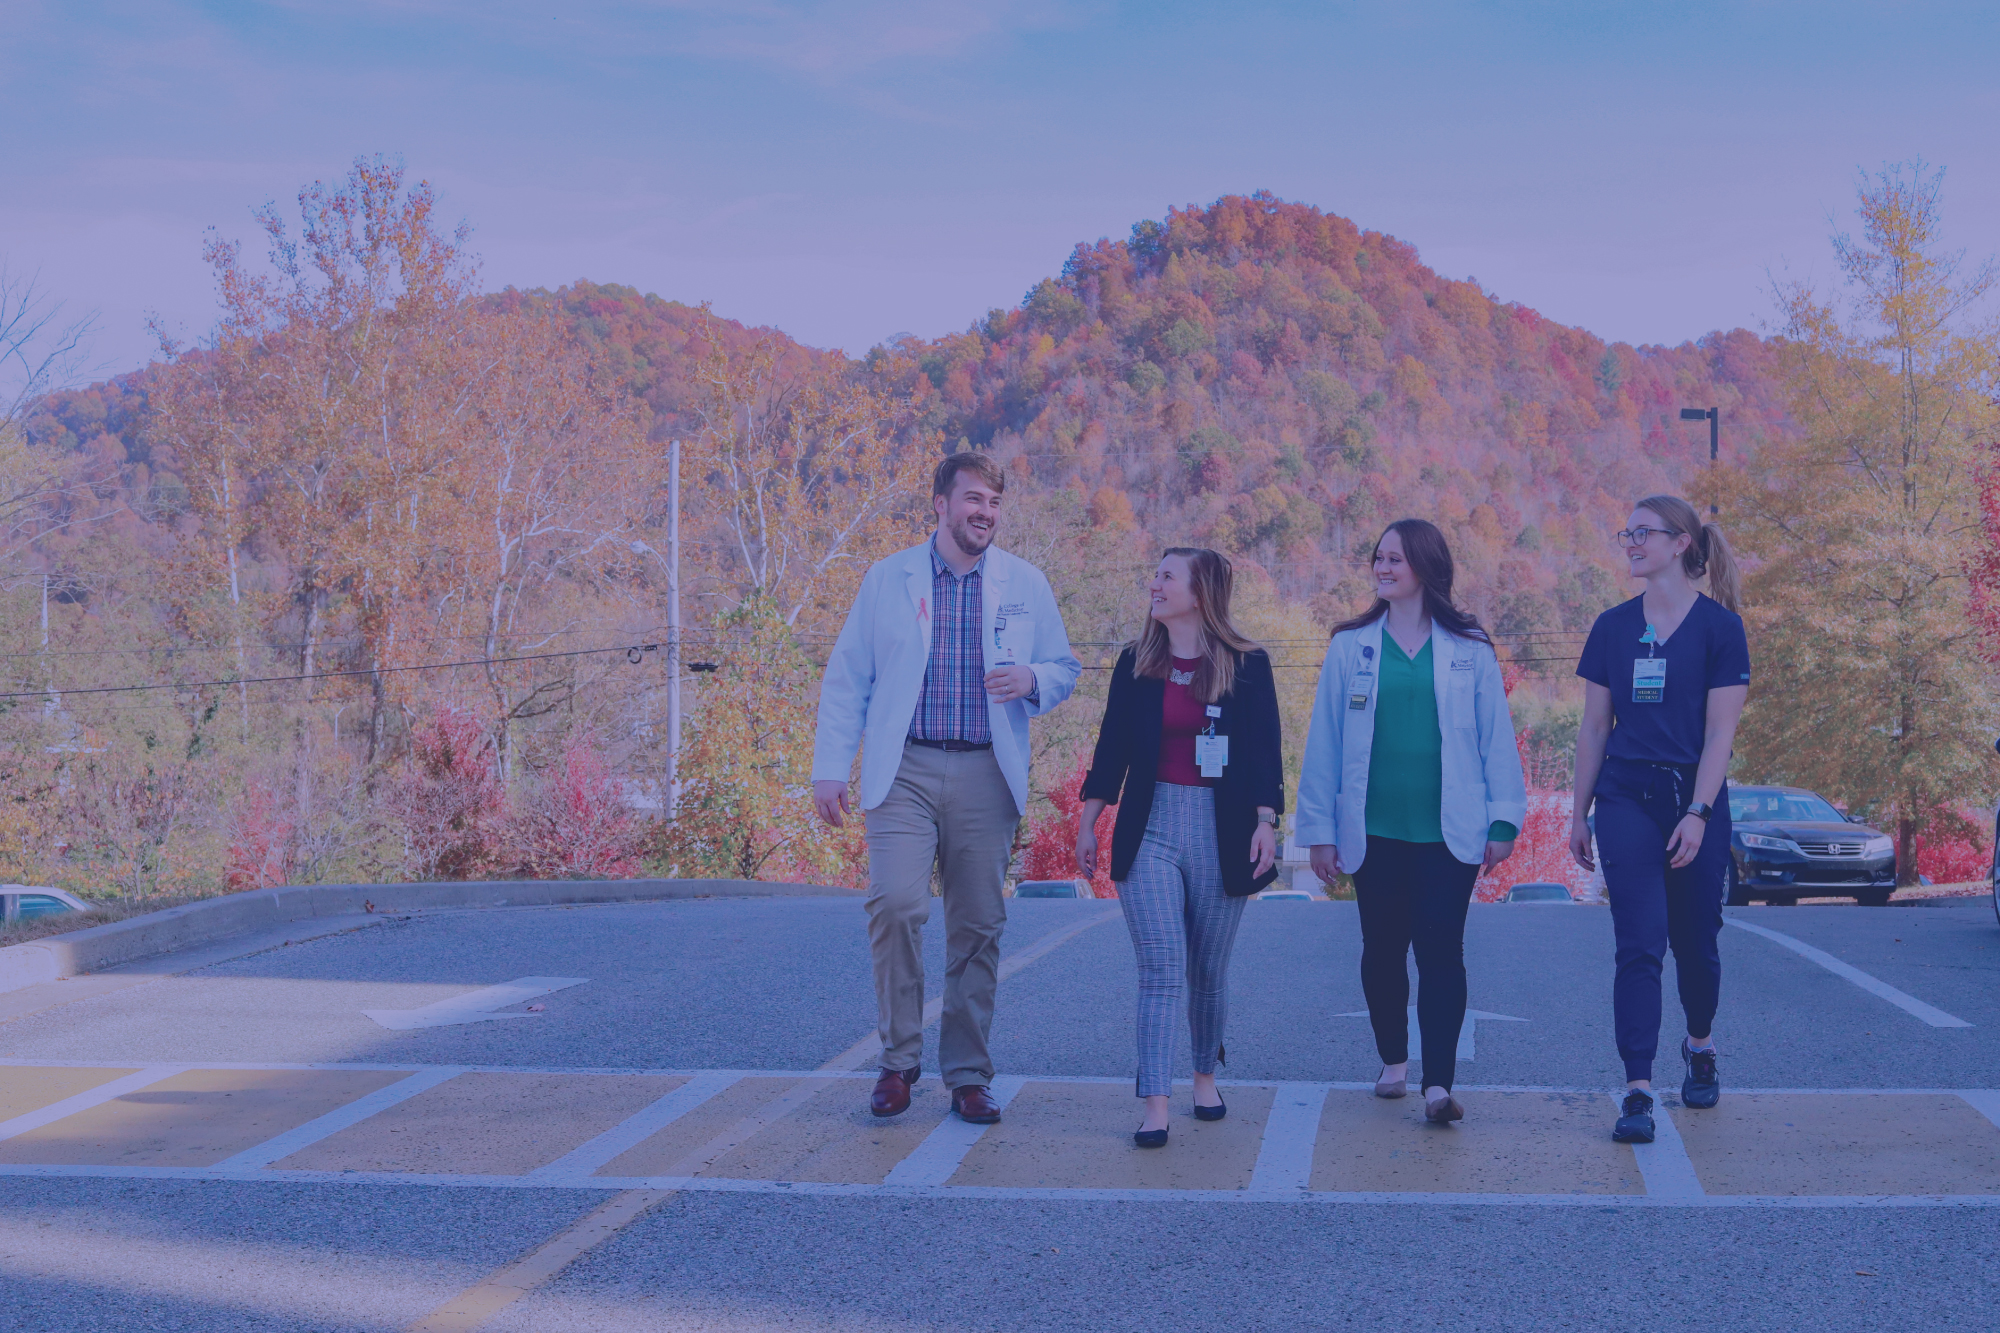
[950, 648]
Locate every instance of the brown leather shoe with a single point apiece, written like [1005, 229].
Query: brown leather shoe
[975, 1105]
[892, 1091]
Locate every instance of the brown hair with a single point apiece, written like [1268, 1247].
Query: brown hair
[1209, 576]
[1708, 553]
[1429, 558]
[967, 460]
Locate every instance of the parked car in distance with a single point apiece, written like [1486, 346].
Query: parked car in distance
[1790, 843]
[1540, 893]
[26, 902]
[1277, 894]
[1048, 888]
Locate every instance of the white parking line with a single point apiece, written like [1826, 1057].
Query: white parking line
[83, 1101]
[943, 1150]
[1664, 1163]
[628, 1134]
[1285, 1158]
[344, 1117]
[1910, 1004]
[1985, 1101]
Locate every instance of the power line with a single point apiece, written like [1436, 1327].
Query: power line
[330, 675]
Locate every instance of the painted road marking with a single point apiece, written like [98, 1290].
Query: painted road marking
[501, 1124]
[1465, 1031]
[623, 1209]
[25, 1090]
[1528, 1143]
[1664, 1162]
[614, 1142]
[1285, 1157]
[941, 1153]
[84, 1101]
[1922, 1143]
[197, 1117]
[326, 1126]
[1985, 1101]
[473, 1006]
[1908, 1003]
[475, 1307]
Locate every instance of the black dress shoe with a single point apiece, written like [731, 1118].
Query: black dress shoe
[1215, 1112]
[1702, 1088]
[1635, 1121]
[1150, 1138]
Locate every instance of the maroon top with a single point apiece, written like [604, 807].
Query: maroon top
[1182, 718]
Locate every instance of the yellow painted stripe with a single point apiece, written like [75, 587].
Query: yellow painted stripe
[472, 1309]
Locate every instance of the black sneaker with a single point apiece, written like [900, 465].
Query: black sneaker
[1635, 1124]
[1702, 1088]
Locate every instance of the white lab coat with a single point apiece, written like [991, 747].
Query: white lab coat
[1482, 766]
[877, 667]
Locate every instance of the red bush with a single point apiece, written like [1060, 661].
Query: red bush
[1541, 853]
[448, 800]
[1956, 849]
[1050, 852]
[577, 824]
[260, 845]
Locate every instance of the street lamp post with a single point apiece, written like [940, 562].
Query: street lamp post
[1714, 419]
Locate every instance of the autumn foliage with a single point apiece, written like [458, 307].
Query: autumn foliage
[388, 549]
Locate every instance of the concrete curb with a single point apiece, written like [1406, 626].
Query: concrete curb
[83, 951]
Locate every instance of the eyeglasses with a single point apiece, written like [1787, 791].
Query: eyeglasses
[1640, 536]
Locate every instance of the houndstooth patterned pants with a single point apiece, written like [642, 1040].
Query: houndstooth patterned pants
[1183, 926]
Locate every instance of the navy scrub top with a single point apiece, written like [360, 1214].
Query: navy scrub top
[1708, 651]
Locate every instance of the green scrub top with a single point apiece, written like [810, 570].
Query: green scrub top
[1406, 761]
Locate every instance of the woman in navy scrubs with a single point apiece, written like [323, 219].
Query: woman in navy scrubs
[1666, 676]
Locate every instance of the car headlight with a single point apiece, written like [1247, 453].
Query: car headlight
[1770, 844]
[1879, 846]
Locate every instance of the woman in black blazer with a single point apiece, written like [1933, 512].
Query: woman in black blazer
[1192, 719]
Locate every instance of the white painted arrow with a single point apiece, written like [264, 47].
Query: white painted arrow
[1472, 1017]
[473, 1006]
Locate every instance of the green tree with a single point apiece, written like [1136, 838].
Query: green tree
[1861, 531]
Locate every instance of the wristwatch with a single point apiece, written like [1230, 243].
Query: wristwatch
[1272, 819]
[1700, 810]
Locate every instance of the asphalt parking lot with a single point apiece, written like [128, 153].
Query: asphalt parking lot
[671, 1134]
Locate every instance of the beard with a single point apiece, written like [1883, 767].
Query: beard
[971, 540]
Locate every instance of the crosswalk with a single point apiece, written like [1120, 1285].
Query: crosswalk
[809, 1132]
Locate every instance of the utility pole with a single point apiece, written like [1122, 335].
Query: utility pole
[1714, 418]
[673, 793]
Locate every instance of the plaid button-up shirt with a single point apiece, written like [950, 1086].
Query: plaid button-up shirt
[951, 706]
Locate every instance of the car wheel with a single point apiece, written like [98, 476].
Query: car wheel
[1740, 897]
[1878, 898]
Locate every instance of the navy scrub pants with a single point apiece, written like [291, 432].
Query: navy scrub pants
[1654, 907]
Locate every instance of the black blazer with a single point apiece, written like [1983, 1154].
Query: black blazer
[1128, 742]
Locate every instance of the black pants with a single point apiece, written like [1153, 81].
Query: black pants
[1414, 895]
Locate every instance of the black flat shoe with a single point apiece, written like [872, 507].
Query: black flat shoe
[1635, 1121]
[1150, 1138]
[1211, 1112]
[1702, 1088]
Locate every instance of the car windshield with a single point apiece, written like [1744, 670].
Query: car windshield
[1762, 803]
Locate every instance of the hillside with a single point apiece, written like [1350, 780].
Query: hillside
[1272, 380]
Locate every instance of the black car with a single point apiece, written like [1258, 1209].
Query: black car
[1791, 843]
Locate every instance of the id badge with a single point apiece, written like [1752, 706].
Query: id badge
[1649, 680]
[1210, 754]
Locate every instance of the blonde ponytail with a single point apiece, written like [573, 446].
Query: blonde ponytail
[1725, 585]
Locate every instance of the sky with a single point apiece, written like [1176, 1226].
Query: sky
[849, 171]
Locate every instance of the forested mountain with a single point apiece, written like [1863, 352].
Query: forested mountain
[423, 525]
[1273, 380]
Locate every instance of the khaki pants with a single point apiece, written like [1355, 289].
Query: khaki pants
[953, 811]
